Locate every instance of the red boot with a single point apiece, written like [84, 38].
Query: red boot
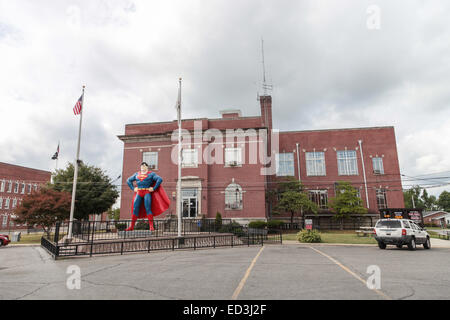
[150, 222]
[133, 222]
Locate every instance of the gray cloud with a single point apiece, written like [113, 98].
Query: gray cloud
[328, 70]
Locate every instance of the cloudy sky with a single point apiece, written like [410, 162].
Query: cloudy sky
[333, 64]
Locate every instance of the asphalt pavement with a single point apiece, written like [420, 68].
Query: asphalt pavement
[280, 272]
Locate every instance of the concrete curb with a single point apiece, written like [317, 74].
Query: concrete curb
[23, 245]
[290, 242]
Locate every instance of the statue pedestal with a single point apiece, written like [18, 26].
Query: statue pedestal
[134, 234]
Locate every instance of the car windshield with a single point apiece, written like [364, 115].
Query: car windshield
[389, 224]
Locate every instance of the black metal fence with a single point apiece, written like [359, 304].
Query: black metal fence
[108, 237]
[89, 231]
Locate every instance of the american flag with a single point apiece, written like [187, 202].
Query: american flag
[78, 105]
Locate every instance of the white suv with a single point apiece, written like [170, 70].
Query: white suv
[400, 232]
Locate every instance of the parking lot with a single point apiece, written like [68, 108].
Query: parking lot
[288, 271]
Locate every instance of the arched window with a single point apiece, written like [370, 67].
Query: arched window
[233, 197]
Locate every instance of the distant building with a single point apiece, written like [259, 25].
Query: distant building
[15, 182]
[438, 218]
[236, 188]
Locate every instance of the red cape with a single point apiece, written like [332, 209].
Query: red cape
[160, 203]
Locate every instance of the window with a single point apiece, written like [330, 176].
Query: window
[381, 198]
[233, 197]
[315, 164]
[14, 204]
[151, 158]
[9, 186]
[189, 158]
[406, 224]
[347, 165]
[233, 157]
[35, 187]
[5, 220]
[16, 187]
[2, 186]
[285, 164]
[29, 188]
[23, 188]
[319, 197]
[378, 165]
[1, 202]
[7, 203]
[388, 224]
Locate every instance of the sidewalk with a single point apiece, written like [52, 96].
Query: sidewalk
[435, 243]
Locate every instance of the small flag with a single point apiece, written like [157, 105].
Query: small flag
[78, 105]
[55, 156]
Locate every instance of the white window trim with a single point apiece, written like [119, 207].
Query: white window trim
[232, 189]
[381, 164]
[151, 164]
[195, 158]
[7, 203]
[2, 185]
[318, 192]
[1, 202]
[314, 160]
[346, 161]
[235, 162]
[277, 158]
[9, 186]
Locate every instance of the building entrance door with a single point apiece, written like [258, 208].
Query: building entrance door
[189, 203]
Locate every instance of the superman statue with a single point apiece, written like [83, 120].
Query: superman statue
[149, 198]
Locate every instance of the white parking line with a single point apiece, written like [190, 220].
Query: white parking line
[380, 293]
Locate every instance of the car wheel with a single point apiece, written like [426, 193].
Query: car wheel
[399, 246]
[412, 244]
[427, 244]
[1, 243]
[382, 245]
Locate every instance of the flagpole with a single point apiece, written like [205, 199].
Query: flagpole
[75, 174]
[179, 202]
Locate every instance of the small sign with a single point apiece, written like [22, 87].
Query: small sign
[308, 224]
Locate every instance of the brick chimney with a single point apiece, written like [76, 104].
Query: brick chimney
[266, 111]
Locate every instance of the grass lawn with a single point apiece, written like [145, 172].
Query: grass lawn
[32, 238]
[345, 236]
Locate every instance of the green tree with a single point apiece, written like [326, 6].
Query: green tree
[430, 202]
[114, 214]
[292, 199]
[43, 208]
[413, 193]
[95, 192]
[346, 202]
[444, 201]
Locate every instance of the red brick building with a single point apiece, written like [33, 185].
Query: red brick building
[15, 182]
[236, 186]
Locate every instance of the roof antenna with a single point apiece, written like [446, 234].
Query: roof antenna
[266, 87]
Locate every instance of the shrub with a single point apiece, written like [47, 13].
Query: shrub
[258, 224]
[218, 220]
[233, 227]
[121, 226]
[275, 224]
[309, 236]
[142, 225]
